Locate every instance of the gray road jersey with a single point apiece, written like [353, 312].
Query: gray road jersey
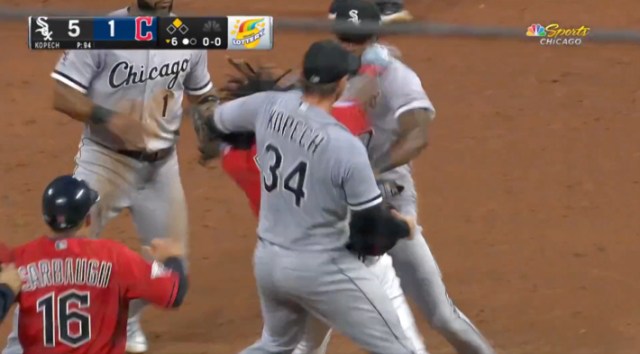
[148, 84]
[400, 90]
[313, 169]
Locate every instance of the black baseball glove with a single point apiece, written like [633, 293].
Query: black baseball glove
[366, 242]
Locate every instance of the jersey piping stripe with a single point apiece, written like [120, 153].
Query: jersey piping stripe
[199, 90]
[419, 104]
[174, 293]
[69, 81]
[366, 204]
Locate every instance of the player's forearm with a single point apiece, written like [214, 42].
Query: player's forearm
[7, 297]
[361, 89]
[176, 265]
[412, 141]
[78, 106]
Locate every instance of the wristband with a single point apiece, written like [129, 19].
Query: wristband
[100, 115]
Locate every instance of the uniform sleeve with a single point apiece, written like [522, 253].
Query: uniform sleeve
[241, 167]
[404, 91]
[354, 174]
[77, 68]
[240, 115]
[198, 80]
[150, 281]
[7, 297]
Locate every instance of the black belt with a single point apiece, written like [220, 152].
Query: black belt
[147, 156]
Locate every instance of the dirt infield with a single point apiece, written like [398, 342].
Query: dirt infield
[529, 190]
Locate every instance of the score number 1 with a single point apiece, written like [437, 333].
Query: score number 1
[112, 28]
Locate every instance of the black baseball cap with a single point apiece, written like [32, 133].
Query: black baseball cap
[356, 21]
[327, 62]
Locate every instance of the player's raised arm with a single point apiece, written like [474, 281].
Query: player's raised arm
[162, 282]
[74, 73]
[374, 228]
[414, 112]
[239, 115]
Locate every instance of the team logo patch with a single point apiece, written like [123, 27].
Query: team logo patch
[61, 245]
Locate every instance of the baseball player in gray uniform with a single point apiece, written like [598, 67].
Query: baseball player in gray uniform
[131, 104]
[301, 264]
[400, 116]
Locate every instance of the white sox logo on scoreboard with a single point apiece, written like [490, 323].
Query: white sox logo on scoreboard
[43, 28]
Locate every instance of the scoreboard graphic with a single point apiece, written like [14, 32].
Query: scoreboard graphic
[145, 32]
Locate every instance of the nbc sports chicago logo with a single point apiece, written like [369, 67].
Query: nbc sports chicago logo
[554, 34]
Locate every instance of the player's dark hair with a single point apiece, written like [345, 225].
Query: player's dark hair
[320, 90]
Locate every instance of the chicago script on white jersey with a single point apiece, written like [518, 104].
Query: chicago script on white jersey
[125, 73]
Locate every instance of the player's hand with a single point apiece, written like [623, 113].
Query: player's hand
[9, 275]
[126, 124]
[129, 129]
[410, 220]
[161, 249]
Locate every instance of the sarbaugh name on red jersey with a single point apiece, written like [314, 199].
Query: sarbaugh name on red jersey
[67, 271]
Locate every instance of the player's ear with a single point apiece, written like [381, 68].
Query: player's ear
[87, 220]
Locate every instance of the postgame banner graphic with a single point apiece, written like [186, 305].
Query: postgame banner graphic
[145, 32]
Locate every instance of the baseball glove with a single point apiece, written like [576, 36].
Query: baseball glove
[374, 244]
[250, 80]
[201, 117]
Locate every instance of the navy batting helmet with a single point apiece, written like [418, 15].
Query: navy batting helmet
[66, 203]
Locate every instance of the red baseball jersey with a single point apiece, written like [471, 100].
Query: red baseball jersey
[76, 292]
[241, 167]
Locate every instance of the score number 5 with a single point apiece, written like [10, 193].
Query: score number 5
[74, 28]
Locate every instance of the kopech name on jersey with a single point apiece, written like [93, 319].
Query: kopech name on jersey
[124, 73]
[65, 272]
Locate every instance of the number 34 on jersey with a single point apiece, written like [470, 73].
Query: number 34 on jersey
[275, 179]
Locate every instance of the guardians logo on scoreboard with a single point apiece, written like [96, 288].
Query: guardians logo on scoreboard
[250, 32]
